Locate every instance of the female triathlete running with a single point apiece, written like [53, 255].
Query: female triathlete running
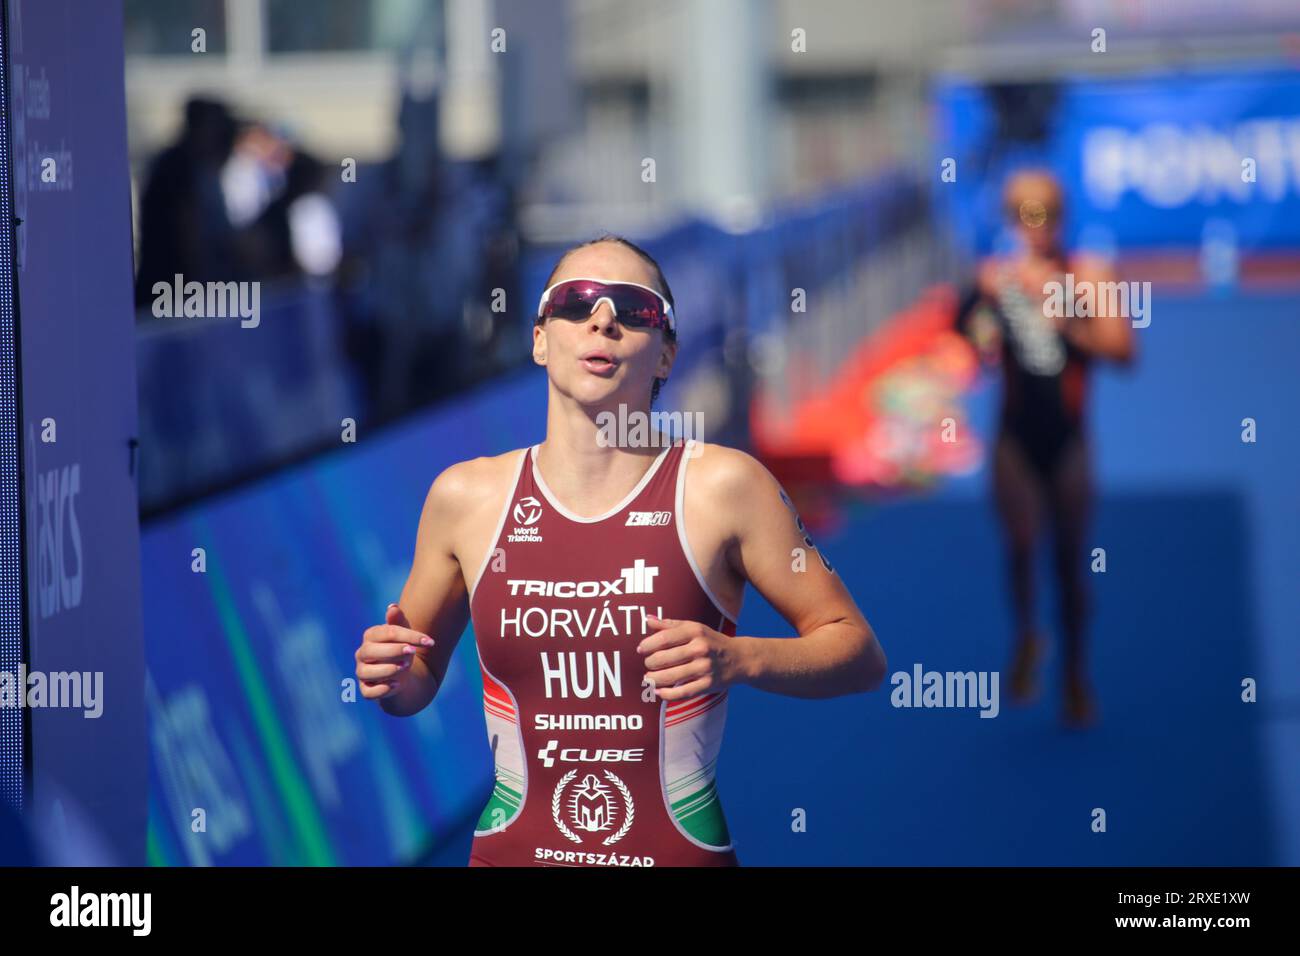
[603, 574]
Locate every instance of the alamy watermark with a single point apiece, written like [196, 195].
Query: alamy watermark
[77, 909]
[1087, 299]
[638, 429]
[922, 688]
[53, 689]
[208, 300]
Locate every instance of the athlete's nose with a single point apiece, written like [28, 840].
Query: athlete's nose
[603, 317]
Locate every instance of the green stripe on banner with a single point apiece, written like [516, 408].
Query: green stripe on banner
[266, 815]
[159, 848]
[304, 818]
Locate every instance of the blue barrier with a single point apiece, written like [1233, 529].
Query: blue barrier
[248, 651]
[218, 400]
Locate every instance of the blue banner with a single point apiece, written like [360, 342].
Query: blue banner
[1156, 160]
[72, 241]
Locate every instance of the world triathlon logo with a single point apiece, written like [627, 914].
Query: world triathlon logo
[528, 511]
[592, 806]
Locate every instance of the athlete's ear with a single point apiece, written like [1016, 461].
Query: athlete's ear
[667, 356]
[539, 345]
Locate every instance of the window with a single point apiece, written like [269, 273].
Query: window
[163, 27]
[294, 26]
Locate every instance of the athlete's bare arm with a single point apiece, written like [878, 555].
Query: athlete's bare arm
[1102, 335]
[741, 529]
[456, 523]
[986, 277]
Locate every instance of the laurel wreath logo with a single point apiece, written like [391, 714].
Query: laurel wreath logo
[627, 802]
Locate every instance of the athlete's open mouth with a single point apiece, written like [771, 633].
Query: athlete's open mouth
[599, 363]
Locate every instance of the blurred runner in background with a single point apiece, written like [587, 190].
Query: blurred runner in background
[1042, 455]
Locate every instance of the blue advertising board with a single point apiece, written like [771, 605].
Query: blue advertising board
[1148, 161]
[72, 245]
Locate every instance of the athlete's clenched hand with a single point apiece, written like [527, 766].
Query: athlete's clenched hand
[696, 658]
[386, 653]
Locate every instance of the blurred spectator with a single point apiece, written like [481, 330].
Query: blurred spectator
[419, 243]
[420, 228]
[255, 172]
[297, 232]
[184, 226]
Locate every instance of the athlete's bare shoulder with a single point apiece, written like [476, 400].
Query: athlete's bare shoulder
[1090, 265]
[463, 487]
[723, 465]
[732, 505]
[728, 481]
[464, 500]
